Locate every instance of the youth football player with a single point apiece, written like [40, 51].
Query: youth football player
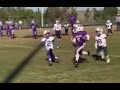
[80, 38]
[101, 45]
[11, 29]
[109, 27]
[57, 29]
[48, 41]
[33, 27]
[66, 26]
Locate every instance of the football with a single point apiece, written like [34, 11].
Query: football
[85, 38]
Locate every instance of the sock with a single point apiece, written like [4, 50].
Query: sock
[49, 59]
[77, 57]
[84, 52]
[102, 55]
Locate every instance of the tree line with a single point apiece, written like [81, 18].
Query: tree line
[51, 14]
[23, 13]
[102, 15]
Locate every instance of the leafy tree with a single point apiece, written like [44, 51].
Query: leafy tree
[87, 14]
[109, 12]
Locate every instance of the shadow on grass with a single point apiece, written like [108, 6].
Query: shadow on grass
[30, 36]
[81, 60]
[22, 65]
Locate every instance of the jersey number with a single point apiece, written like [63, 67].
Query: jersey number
[33, 27]
[78, 39]
[48, 43]
[99, 41]
[10, 27]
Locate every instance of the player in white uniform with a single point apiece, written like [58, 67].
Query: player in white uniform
[66, 26]
[57, 29]
[109, 26]
[48, 41]
[101, 45]
[20, 23]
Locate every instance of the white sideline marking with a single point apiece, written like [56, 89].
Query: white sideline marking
[15, 46]
[67, 51]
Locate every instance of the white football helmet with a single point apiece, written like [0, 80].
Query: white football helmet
[7, 22]
[108, 21]
[57, 21]
[99, 29]
[45, 32]
[80, 28]
[75, 29]
[32, 21]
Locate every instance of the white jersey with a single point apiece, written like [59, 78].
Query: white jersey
[48, 42]
[101, 40]
[80, 27]
[57, 27]
[66, 26]
[109, 25]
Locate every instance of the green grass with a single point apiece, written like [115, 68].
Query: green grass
[37, 70]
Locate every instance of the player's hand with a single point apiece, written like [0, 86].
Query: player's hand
[84, 44]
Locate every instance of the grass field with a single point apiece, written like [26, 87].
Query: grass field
[13, 51]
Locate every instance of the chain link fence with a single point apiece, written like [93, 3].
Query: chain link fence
[50, 22]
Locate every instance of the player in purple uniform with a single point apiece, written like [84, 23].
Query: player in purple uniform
[72, 20]
[1, 27]
[11, 29]
[33, 27]
[80, 38]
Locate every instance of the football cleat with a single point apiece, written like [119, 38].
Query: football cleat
[76, 64]
[56, 60]
[89, 53]
[108, 60]
[50, 63]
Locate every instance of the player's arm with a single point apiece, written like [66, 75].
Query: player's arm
[96, 45]
[60, 27]
[43, 41]
[37, 26]
[54, 27]
[111, 25]
[54, 43]
[30, 27]
[105, 36]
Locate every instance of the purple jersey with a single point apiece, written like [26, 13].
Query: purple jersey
[1, 27]
[72, 20]
[7, 26]
[10, 27]
[33, 27]
[13, 24]
[79, 37]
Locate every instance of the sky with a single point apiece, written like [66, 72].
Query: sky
[78, 8]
